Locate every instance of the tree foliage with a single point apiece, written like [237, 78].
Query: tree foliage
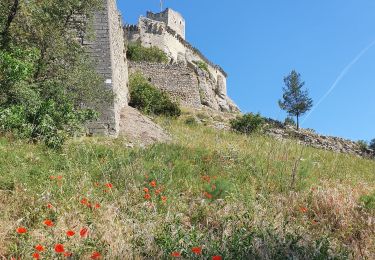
[372, 144]
[296, 101]
[47, 81]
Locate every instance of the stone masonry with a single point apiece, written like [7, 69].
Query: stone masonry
[109, 55]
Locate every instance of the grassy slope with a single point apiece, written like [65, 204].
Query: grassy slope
[256, 210]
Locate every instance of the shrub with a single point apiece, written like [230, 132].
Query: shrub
[202, 65]
[191, 121]
[362, 145]
[368, 201]
[289, 121]
[247, 123]
[137, 52]
[149, 99]
[372, 144]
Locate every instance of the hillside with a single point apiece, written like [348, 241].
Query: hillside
[235, 196]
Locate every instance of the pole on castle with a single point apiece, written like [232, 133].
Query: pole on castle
[161, 5]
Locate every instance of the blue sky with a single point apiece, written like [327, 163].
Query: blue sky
[259, 42]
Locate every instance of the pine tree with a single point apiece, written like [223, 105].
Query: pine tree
[296, 101]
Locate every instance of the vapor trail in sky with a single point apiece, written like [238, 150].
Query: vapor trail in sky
[337, 81]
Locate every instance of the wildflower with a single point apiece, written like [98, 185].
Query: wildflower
[52, 177]
[84, 201]
[83, 232]
[176, 254]
[197, 250]
[48, 223]
[158, 191]
[96, 184]
[207, 195]
[217, 257]
[68, 254]
[36, 256]
[70, 233]
[97, 205]
[49, 205]
[21, 230]
[146, 190]
[303, 209]
[95, 255]
[153, 184]
[59, 248]
[39, 248]
[206, 178]
[59, 177]
[163, 199]
[109, 185]
[147, 196]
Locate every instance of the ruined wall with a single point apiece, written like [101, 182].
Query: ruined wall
[108, 53]
[171, 18]
[179, 81]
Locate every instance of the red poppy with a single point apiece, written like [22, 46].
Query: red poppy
[217, 257]
[158, 191]
[83, 232]
[197, 250]
[84, 201]
[36, 256]
[147, 196]
[164, 199]
[39, 248]
[97, 205]
[70, 233]
[176, 254]
[206, 178]
[48, 223]
[21, 230]
[59, 248]
[109, 185]
[49, 205]
[303, 209]
[52, 177]
[146, 190]
[59, 177]
[207, 195]
[68, 254]
[95, 255]
[153, 184]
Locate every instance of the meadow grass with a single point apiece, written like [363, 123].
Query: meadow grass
[237, 196]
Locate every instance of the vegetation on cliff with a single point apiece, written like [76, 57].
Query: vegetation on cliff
[136, 52]
[150, 100]
[209, 192]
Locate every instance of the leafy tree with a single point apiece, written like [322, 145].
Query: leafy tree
[48, 86]
[296, 101]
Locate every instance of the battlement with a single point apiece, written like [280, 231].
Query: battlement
[171, 18]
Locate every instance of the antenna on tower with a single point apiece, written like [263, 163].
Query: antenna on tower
[161, 5]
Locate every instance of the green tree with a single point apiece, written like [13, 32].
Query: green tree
[296, 101]
[48, 85]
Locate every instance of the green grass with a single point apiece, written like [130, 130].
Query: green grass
[232, 195]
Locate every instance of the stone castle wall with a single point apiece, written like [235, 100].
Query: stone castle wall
[108, 53]
[179, 81]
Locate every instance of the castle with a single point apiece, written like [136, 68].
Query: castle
[183, 78]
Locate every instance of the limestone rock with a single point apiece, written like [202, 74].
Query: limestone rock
[140, 129]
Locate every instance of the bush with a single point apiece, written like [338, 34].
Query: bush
[368, 201]
[202, 65]
[372, 144]
[362, 145]
[137, 52]
[149, 99]
[290, 121]
[247, 123]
